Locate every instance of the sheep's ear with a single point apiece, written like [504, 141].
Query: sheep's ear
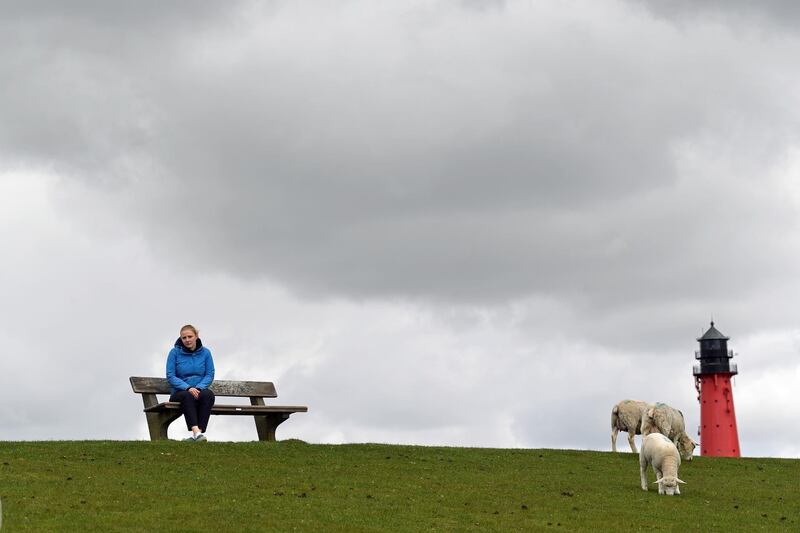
[681, 481]
[656, 481]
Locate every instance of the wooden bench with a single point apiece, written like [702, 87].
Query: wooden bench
[267, 417]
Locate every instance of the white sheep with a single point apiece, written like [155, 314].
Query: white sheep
[627, 416]
[661, 418]
[660, 452]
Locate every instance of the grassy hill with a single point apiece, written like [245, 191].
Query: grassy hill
[293, 486]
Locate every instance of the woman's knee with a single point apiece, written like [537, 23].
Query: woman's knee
[206, 394]
[179, 396]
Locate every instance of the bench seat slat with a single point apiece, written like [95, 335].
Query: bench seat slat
[234, 409]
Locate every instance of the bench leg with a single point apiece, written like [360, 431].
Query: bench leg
[266, 425]
[158, 423]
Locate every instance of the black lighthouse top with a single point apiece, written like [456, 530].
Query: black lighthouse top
[714, 355]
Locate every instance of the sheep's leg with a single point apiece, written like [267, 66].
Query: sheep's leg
[643, 472]
[614, 433]
[632, 434]
[659, 475]
[678, 444]
[682, 450]
[645, 426]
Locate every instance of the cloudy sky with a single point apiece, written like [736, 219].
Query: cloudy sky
[469, 223]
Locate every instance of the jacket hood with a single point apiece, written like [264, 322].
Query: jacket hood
[179, 345]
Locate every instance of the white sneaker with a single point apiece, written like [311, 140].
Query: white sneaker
[200, 437]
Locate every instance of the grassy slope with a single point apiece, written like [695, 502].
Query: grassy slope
[174, 486]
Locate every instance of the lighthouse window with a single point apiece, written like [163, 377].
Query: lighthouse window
[712, 345]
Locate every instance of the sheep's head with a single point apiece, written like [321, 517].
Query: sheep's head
[686, 447]
[668, 485]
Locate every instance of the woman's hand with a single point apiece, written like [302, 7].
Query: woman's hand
[194, 392]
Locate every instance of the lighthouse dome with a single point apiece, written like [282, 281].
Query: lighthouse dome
[713, 334]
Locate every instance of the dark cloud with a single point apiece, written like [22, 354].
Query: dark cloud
[412, 171]
[743, 13]
[470, 159]
[88, 14]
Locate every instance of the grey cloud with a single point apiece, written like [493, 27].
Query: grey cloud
[744, 13]
[99, 14]
[482, 5]
[473, 159]
[73, 97]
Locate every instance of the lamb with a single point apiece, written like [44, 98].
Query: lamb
[661, 418]
[662, 454]
[627, 416]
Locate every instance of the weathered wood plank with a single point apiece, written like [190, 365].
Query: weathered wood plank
[264, 389]
[218, 409]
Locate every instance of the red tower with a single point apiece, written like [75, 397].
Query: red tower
[712, 379]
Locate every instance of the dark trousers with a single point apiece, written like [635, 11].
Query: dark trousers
[196, 412]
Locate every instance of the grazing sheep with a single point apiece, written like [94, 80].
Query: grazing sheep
[662, 454]
[627, 416]
[661, 418]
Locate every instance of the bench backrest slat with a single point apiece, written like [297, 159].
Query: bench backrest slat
[263, 389]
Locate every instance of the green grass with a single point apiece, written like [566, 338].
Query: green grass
[293, 486]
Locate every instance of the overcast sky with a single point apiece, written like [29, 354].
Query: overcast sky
[474, 223]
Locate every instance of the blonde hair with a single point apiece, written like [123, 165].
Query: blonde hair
[191, 327]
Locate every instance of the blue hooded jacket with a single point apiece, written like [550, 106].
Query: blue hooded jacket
[187, 369]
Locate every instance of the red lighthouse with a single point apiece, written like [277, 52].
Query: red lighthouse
[712, 379]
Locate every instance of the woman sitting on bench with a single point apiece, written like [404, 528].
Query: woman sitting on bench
[190, 372]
